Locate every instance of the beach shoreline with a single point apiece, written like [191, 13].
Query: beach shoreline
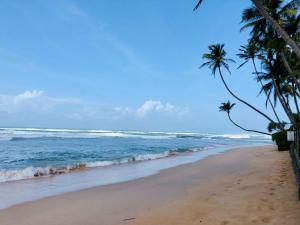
[98, 176]
[170, 195]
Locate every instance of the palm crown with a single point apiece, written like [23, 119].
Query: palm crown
[226, 107]
[216, 58]
[247, 52]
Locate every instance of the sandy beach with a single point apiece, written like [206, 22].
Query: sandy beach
[242, 186]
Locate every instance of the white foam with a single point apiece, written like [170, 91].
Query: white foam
[8, 133]
[31, 172]
[20, 174]
[152, 156]
[100, 163]
[32, 190]
[241, 136]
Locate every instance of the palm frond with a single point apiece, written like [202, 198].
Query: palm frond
[198, 4]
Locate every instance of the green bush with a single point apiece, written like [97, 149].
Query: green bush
[280, 139]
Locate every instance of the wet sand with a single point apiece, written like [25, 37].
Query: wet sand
[242, 186]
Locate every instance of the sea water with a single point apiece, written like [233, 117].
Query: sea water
[36, 163]
[28, 153]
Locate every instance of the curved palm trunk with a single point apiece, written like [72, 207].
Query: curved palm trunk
[282, 101]
[241, 100]
[295, 98]
[269, 100]
[279, 30]
[289, 69]
[255, 131]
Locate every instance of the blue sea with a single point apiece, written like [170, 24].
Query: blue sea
[30, 153]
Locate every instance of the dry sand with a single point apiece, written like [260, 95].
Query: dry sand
[242, 186]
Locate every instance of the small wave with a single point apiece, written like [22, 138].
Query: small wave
[190, 136]
[34, 138]
[32, 172]
[20, 174]
[29, 133]
[233, 136]
[153, 156]
[100, 164]
[17, 134]
[239, 136]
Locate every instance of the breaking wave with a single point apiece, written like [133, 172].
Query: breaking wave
[32, 172]
[21, 134]
[31, 152]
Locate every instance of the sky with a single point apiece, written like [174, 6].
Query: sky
[122, 65]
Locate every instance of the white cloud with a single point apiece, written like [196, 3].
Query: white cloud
[27, 96]
[34, 100]
[157, 106]
[37, 102]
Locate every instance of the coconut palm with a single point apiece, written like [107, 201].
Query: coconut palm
[260, 6]
[250, 52]
[227, 107]
[273, 48]
[278, 78]
[216, 59]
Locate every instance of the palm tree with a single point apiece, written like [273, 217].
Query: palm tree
[274, 51]
[259, 4]
[227, 107]
[279, 30]
[216, 59]
[276, 74]
[250, 52]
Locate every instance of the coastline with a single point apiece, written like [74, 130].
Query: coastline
[248, 185]
[98, 176]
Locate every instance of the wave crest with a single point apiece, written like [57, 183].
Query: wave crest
[32, 172]
[19, 134]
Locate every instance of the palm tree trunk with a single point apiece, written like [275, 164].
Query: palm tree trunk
[295, 98]
[255, 131]
[280, 31]
[282, 101]
[241, 100]
[269, 100]
[289, 69]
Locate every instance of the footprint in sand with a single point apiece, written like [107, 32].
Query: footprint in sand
[271, 208]
[266, 220]
[258, 208]
[264, 200]
[225, 222]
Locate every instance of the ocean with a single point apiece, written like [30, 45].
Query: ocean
[37, 163]
[27, 153]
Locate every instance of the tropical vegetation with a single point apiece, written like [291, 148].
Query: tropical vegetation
[273, 47]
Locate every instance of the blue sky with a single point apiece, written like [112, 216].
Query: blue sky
[129, 65]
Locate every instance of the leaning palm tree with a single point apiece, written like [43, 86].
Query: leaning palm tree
[227, 107]
[260, 6]
[266, 38]
[276, 26]
[216, 59]
[249, 53]
[273, 48]
[276, 73]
